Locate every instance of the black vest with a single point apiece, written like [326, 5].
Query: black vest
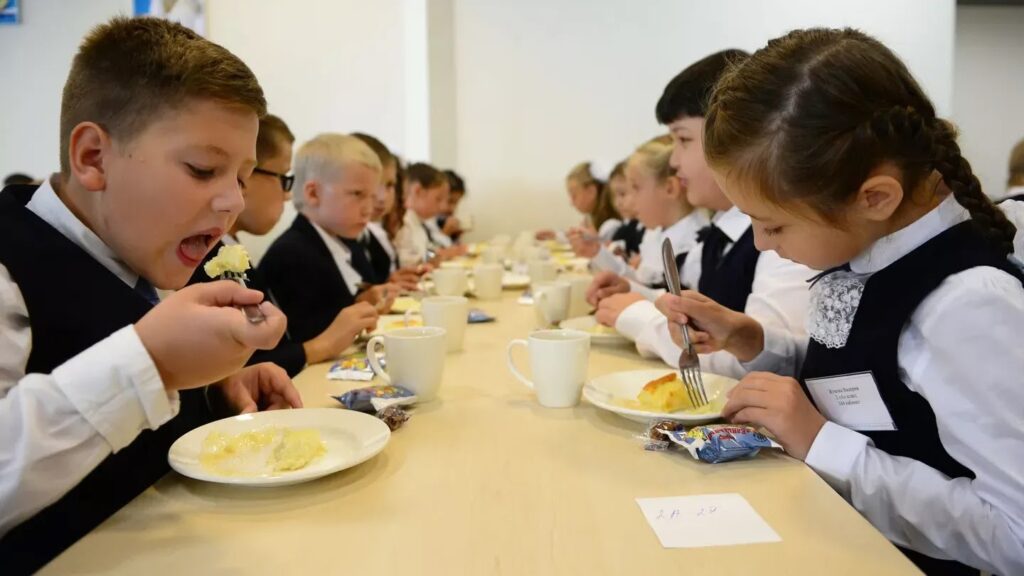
[379, 258]
[1014, 198]
[43, 262]
[890, 298]
[729, 283]
[631, 233]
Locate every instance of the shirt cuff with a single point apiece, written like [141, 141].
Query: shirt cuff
[116, 387]
[635, 317]
[776, 347]
[834, 453]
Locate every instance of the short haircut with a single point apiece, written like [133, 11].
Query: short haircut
[130, 71]
[273, 136]
[425, 175]
[18, 178]
[455, 182]
[324, 159]
[378, 147]
[687, 95]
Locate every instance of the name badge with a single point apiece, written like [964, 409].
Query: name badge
[852, 401]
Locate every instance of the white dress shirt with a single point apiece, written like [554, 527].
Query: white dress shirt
[608, 229]
[439, 237]
[382, 236]
[651, 271]
[961, 351]
[778, 298]
[1014, 210]
[412, 241]
[342, 257]
[55, 428]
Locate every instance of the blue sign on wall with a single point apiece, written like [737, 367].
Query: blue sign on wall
[9, 14]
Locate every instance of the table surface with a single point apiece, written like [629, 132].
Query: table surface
[485, 481]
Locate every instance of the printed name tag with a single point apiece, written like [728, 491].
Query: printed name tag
[852, 401]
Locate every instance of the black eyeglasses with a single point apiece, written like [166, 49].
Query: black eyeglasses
[286, 179]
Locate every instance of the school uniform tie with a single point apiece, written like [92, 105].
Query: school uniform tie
[715, 242]
[146, 290]
[360, 260]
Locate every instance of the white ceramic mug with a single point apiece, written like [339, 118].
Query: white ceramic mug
[551, 302]
[541, 270]
[578, 305]
[558, 363]
[415, 359]
[450, 313]
[449, 281]
[493, 255]
[487, 281]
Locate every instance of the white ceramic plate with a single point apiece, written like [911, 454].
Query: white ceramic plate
[513, 281]
[589, 325]
[351, 438]
[609, 392]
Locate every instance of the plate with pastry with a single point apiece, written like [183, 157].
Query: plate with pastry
[644, 395]
[599, 333]
[278, 447]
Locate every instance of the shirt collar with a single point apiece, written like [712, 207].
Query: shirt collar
[891, 248]
[334, 244]
[51, 209]
[732, 222]
[683, 233]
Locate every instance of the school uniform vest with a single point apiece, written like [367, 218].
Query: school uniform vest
[288, 353]
[73, 302]
[631, 233]
[889, 299]
[727, 278]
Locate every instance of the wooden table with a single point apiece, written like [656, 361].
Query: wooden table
[485, 481]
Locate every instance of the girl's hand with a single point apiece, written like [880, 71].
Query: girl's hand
[713, 327]
[778, 404]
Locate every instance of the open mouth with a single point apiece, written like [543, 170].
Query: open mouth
[193, 249]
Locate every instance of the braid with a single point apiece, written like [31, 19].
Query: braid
[927, 142]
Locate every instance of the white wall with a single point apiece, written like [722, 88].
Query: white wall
[543, 85]
[988, 94]
[35, 57]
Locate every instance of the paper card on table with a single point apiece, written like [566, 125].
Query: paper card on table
[705, 520]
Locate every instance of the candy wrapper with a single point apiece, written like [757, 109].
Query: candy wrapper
[373, 399]
[393, 416]
[477, 316]
[716, 443]
[355, 368]
[656, 439]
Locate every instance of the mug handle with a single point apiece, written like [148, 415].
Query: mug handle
[371, 355]
[542, 299]
[512, 365]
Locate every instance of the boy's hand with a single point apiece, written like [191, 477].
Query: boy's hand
[405, 278]
[545, 235]
[611, 308]
[605, 284]
[778, 404]
[713, 327]
[197, 335]
[451, 226]
[264, 386]
[343, 331]
[584, 243]
[381, 296]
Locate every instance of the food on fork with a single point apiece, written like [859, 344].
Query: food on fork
[229, 259]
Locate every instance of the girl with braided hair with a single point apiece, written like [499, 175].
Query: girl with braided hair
[907, 396]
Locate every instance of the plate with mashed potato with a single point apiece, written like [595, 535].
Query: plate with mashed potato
[278, 447]
[645, 395]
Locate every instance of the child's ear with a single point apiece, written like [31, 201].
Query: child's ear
[311, 194]
[880, 196]
[88, 146]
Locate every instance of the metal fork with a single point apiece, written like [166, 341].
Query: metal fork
[689, 361]
[252, 312]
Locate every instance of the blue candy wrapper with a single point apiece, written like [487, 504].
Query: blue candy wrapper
[373, 399]
[477, 316]
[354, 368]
[715, 443]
